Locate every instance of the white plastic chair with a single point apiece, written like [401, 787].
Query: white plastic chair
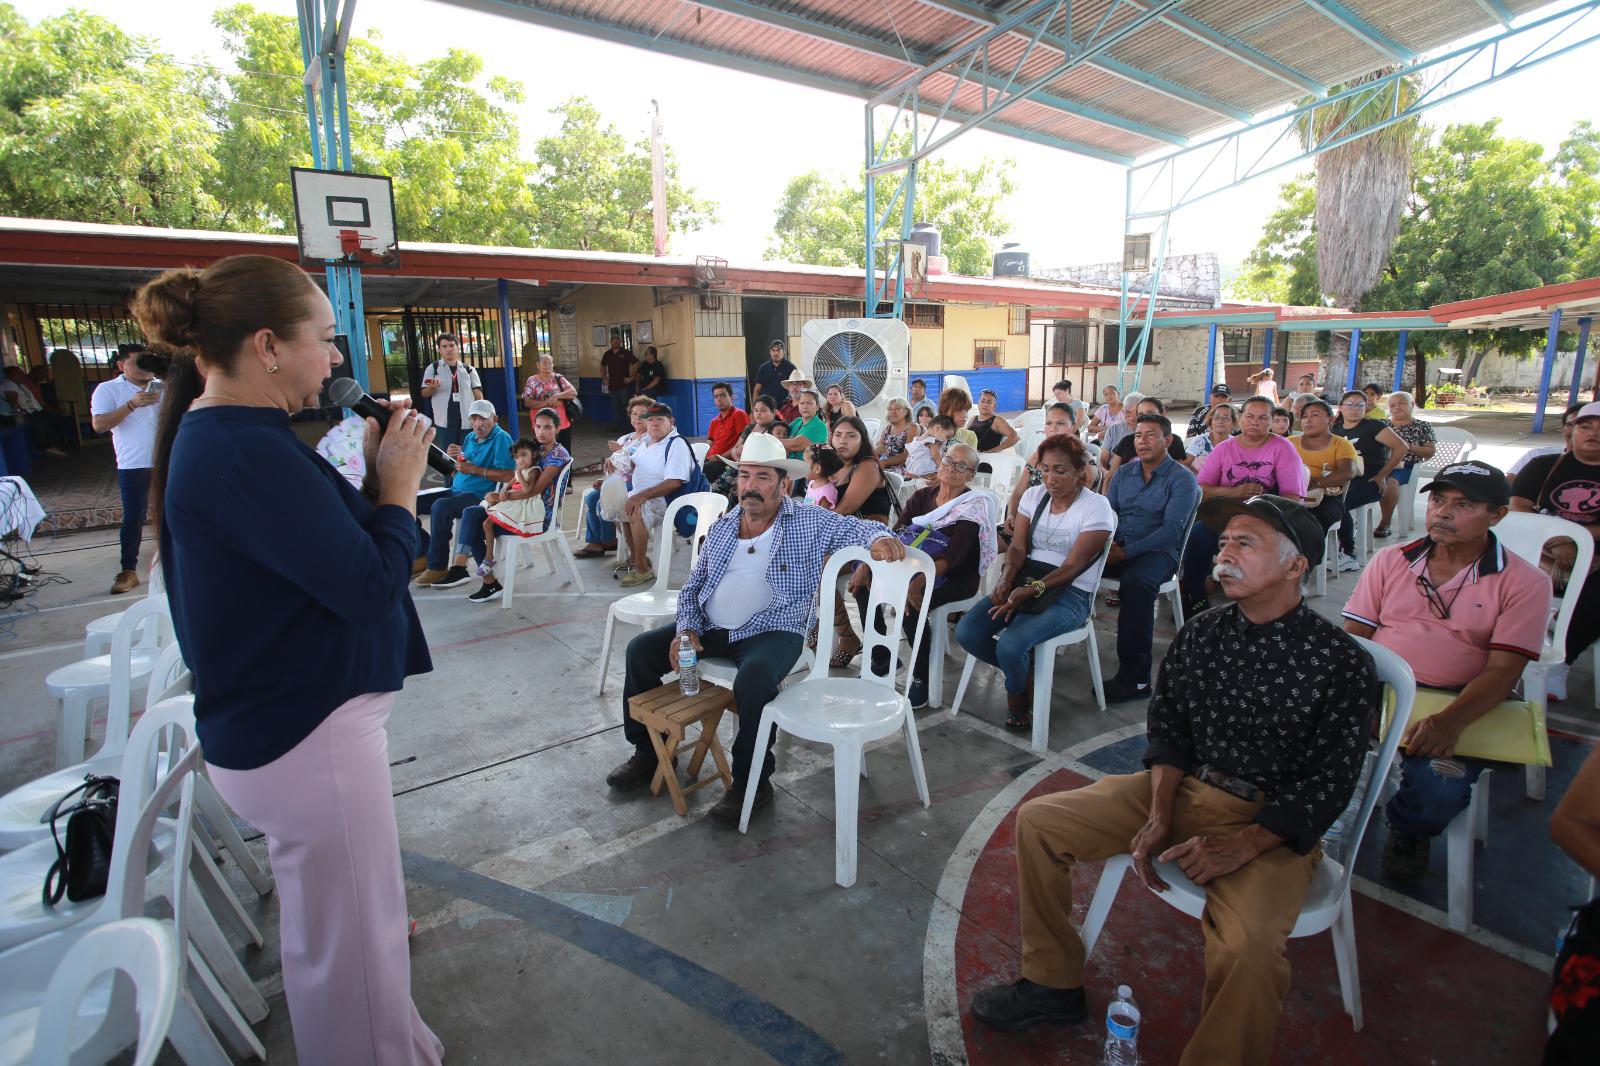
[553, 541]
[1029, 420]
[1365, 518]
[1168, 587]
[1451, 445]
[701, 449]
[1327, 902]
[1461, 837]
[1044, 665]
[144, 953]
[1525, 535]
[659, 603]
[114, 678]
[97, 634]
[874, 425]
[1330, 559]
[1004, 469]
[939, 617]
[850, 712]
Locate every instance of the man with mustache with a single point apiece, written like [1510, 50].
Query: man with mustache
[751, 598]
[1466, 615]
[1257, 731]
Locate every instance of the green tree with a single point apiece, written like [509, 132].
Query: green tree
[594, 188]
[99, 126]
[1282, 268]
[822, 218]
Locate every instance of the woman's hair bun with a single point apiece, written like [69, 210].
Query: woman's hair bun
[167, 309]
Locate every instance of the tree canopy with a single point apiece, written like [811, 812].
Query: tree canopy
[100, 126]
[822, 218]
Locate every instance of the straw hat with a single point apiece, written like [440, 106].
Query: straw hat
[763, 449]
[797, 377]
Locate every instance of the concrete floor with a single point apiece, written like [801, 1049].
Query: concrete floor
[560, 924]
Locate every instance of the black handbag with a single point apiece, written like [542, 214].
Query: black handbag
[1036, 571]
[83, 866]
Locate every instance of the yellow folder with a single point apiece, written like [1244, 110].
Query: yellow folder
[1514, 731]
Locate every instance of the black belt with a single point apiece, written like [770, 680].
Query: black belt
[1233, 786]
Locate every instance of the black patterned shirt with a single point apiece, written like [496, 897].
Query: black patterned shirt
[1287, 705]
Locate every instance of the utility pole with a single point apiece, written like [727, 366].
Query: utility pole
[658, 181]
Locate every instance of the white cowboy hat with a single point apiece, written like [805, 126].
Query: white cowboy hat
[798, 377]
[763, 449]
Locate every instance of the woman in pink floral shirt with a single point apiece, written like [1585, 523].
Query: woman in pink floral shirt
[546, 388]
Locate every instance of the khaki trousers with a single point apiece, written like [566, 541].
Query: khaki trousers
[1247, 917]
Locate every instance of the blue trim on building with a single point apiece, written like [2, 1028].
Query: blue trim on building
[1010, 385]
[690, 400]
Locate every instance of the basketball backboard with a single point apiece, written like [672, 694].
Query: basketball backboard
[344, 218]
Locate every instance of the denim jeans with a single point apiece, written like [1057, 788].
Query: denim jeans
[596, 530]
[763, 661]
[619, 406]
[446, 509]
[1198, 555]
[1428, 800]
[1009, 645]
[1139, 577]
[135, 486]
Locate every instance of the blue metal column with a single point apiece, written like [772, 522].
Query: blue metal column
[1577, 361]
[1352, 360]
[1399, 360]
[869, 304]
[1550, 344]
[504, 288]
[1211, 363]
[1268, 354]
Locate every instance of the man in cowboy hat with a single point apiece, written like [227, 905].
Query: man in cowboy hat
[794, 384]
[769, 376]
[751, 598]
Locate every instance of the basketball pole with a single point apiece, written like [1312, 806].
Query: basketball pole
[322, 47]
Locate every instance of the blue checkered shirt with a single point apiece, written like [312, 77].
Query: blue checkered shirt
[804, 535]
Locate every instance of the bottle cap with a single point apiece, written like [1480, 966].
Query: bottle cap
[1124, 992]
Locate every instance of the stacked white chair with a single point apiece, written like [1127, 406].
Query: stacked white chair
[97, 634]
[1327, 903]
[1044, 666]
[850, 712]
[114, 678]
[659, 603]
[553, 541]
[1451, 445]
[939, 617]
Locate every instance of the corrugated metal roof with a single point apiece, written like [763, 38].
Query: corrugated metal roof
[1164, 79]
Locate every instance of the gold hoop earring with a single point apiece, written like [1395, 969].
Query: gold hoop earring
[273, 369]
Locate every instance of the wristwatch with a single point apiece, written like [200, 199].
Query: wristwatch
[1038, 588]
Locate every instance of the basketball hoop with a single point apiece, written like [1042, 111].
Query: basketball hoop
[344, 219]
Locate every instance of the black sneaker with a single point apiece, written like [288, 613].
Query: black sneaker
[1023, 1004]
[728, 809]
[636, 772]
[456, 575]
[918, 694]
[1405, 857]
[489, 590]
[1383, 532]
[1120, 690]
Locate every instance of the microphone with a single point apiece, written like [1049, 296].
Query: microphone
[344, 392]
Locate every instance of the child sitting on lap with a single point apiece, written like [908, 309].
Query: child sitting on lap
[825, 466]
[924, 453]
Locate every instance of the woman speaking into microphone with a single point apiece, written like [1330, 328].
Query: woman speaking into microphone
[288, 592]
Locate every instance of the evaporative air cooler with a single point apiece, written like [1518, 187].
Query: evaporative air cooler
[869, 358]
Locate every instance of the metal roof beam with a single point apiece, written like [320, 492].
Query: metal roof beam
[1244, 53]
[1497, 11]
[1361, 29]
[1127, 71]
[884, 49]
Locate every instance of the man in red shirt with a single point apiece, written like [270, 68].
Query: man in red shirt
[723, 433]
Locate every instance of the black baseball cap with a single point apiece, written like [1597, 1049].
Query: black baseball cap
[778, 343]
[658, 408]
[1220, 389]
[1476, 481]
[1283, 514]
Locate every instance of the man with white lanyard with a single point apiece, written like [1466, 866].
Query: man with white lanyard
[448, 383]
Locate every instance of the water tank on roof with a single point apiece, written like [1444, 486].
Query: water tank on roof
[1011, 261]
[927, 235]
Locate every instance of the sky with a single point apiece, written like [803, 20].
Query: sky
[738, 138]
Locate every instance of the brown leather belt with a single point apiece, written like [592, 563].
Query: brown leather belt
[1233, 786]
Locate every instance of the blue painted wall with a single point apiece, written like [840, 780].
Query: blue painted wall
[690, 400]
[1010, 385]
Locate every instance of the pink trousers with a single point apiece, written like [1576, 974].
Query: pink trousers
[327, 810]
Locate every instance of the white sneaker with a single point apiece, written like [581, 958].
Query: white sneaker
[1348, 563]
[1555, 682]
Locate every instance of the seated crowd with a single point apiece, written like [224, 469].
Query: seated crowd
[1261, 713]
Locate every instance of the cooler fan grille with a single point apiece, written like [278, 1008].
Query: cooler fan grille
[853, 361]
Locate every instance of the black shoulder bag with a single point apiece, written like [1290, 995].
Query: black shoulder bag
[84, 864]
[1033, 570]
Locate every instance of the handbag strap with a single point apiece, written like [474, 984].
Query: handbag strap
[55, 880]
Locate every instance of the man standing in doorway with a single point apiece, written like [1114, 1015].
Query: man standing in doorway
[619, 367]
[919, 399]
[452, 386]
[771, 375]
[126, 408]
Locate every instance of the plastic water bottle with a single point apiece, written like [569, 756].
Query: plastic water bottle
[1122, 1030]
[688, 668]
[1335, 840]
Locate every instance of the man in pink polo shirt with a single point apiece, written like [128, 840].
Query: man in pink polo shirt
[1466, 615]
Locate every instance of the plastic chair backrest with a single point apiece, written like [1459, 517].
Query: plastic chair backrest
[143, 949]
[700, 449]
[1450, 445]
[1393, 672]
[169, 677]
[1004, 469]
[1030, 420]
[1525, 535]
[120, 703]
[873, 426]
[891, 583]
[708, 507]
[563, 485]
[157, 578]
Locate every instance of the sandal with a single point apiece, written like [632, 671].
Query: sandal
[590, 553]
[843, 657]
[1019, 721]
[1113, 600]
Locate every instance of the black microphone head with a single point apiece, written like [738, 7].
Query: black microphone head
[344, 392]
